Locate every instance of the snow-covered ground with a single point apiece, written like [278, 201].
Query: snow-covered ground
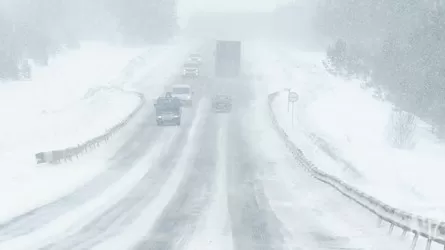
[344, 131]
[78, 96]
[59, 107]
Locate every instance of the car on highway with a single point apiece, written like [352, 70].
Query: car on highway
[184, 93]
[195, 57]
[168, 110]
[222, 103]
[190, 69]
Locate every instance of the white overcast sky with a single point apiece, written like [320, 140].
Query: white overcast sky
[187, 7]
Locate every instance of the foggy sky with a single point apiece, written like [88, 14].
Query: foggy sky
[188, 7]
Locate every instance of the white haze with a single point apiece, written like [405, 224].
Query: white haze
[187, 8]
[37, 30]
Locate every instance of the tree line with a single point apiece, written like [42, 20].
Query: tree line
[36, 29]
[397, 47]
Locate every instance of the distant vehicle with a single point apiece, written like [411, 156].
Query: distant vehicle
[184, 93]
[195, 57]
[228, 59]
[191, 69]
[168, 110]
[222, 103]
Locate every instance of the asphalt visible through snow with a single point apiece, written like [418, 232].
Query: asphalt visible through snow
[263, 201]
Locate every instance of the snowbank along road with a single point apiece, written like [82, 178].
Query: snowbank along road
[219, 181]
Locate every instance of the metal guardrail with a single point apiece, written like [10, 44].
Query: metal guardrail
[431, 230]
[68, 154]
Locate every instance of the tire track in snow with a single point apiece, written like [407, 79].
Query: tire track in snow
[176, 224]
[137, 146]
[214, 230]
[73, 221]
[254, 224]
[138, 230]
[125, 211]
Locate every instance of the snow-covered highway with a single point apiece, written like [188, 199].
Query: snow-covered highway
[219, 181]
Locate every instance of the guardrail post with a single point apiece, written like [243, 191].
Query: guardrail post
[391, 227]
[413, 244]
[428, 244]
[403, 233]
[435, 230]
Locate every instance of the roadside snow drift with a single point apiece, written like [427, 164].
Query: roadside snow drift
[345, 132]
[61, 106]
[92, 116]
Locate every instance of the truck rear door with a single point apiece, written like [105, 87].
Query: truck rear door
[228, 58]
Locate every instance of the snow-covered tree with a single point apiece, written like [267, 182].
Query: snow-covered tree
[36, 29]
[399, 43]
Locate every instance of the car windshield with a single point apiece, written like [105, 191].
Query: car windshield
[190, 65]
[166, 110]
[181, 90]
[222, 97]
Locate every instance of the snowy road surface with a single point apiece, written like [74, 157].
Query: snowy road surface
[219, 181]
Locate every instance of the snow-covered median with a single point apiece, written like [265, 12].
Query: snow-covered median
[344, 131]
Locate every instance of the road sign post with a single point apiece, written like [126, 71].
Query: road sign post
[292, 98]
[288, 106]
[288, 103]
[292, 114]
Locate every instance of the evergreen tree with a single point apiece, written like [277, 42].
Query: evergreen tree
[31, 29]
[402, 44]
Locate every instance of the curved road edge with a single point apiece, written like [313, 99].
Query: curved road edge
[428, 228]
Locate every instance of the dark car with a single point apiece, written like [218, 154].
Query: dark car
[222, 103]
[195, 57]
[191, 69]
[168, 111]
